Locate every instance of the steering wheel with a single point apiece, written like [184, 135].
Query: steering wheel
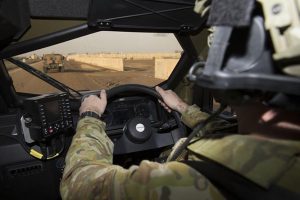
[139, 134]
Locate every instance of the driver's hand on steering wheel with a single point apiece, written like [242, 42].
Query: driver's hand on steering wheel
[171, 100]
[94, 103]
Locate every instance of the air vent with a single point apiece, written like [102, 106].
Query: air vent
[25, 170]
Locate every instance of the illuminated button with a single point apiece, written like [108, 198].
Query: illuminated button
[50, 130]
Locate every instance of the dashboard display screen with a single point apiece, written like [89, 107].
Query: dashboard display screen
[120, 111]
[52, 111]
[121, 116]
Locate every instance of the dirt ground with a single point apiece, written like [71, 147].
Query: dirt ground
[80, 76]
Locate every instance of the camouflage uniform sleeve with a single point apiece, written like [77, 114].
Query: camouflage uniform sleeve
[90, 174]
[192, 116]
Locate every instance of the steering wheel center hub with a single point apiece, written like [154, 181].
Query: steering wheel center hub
[138, 129]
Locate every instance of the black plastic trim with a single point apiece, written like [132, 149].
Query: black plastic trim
[146, 15]
[45, 41]
[251, 81]
[247, 67]
[7, 90]
[187, 59]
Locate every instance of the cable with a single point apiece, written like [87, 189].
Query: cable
[158, 12]
[26, 148]
[44, 156]
[200, 126]
[62, 139]
[29, 150]
[34, 153]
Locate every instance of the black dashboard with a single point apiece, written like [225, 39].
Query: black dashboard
[48, 115]
[134, 124]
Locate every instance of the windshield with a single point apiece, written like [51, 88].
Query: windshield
[100, 61]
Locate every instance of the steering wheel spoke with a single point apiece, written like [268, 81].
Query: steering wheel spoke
[114, 132]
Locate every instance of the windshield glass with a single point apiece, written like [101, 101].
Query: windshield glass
[100, 61]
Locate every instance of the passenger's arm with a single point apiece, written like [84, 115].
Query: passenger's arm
[191, 115]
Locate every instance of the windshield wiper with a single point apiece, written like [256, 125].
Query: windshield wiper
[62, 87]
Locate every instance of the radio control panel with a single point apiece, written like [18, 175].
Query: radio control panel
[48, 115]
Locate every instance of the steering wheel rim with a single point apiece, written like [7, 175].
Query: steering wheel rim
[132, 88]
[136, 88]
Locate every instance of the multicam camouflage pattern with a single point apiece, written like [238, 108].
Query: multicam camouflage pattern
[264, 161]
[193, 116]
[90, 174]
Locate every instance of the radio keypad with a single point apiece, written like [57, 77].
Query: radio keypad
[65, 122]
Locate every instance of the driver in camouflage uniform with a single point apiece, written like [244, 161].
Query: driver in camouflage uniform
[259, 157]
[266, 150]
[90, 174]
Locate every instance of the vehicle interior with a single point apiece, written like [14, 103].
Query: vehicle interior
[36, 127]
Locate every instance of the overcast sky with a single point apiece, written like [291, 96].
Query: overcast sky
[116, 42]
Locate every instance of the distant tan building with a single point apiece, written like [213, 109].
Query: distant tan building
[164, 62]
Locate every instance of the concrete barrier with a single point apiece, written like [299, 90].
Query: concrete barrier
[109, 63]
[164, 67]
[164, 62]
[149, 56]
[135, 56]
